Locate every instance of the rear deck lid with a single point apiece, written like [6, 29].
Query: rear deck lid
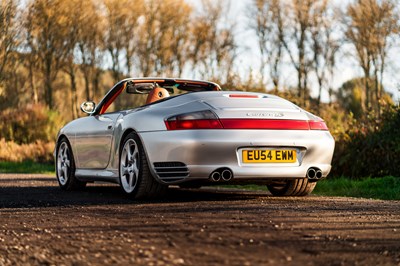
[254, 106]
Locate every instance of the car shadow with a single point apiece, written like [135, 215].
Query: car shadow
[53, 196]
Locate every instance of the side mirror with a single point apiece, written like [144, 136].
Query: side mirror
[88, 107]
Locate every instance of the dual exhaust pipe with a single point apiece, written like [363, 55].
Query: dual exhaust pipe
[221, 174]
[225, 174]
[314, 174]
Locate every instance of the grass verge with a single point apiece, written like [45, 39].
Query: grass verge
[385, 188]
[26, 167]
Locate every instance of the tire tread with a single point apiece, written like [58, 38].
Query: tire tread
[294, 187]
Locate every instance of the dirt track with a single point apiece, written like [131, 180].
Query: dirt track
[39, 224]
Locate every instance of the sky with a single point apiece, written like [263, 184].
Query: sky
[347, 66]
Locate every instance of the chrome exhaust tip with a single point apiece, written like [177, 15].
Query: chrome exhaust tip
[215, 176]
[311, 173]
[227, 175]
[314, 173]
[221, 174]
[318, 174]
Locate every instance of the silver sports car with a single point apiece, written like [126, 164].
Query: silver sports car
[148, 133]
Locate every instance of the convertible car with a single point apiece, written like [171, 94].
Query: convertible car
[149, 133]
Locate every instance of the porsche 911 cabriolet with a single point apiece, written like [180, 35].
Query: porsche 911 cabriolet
[149, 133]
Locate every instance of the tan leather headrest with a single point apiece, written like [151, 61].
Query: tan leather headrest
[157, 94]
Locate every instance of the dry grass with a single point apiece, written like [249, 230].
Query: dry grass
[39, 151]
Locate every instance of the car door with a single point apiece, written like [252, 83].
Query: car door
[93, 140]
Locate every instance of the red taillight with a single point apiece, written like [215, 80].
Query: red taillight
[317, 125]
[196, 120]
[265, 124]
[208, 120]
[193, 124]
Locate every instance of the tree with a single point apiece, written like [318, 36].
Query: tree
[296, 43]
[11, 79]
[172, 39]
[213, 47]
[91, 48]
[370, 24]
[267, 21]
[46, 23]
[324, 45]
[75, 16]
[122, 18]
[349, 96]
[163, 42]
[8, 35]
[180, 38]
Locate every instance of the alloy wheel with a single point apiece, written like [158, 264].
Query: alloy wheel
[129, 166]
[63, 163]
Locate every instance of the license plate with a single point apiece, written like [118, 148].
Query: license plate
[268, 156]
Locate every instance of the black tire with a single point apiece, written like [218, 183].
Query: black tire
[294, 187]
[135, 178]
[65, 167]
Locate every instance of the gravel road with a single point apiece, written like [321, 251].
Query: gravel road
[42, 225]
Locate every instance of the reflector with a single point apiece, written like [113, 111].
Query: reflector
[265, 124]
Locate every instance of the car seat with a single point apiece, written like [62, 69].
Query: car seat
[157, 94]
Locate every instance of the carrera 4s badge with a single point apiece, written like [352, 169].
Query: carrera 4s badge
[265, 114]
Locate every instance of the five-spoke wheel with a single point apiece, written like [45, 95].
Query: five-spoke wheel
[134, 174]
[65, 167]
[129, 166]
[63, 164]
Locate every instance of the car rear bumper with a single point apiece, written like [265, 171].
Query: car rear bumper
[204, 151]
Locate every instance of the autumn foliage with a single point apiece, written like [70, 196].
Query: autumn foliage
[38, 151]
[28, 133]
[55, 54]
[369, 146]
